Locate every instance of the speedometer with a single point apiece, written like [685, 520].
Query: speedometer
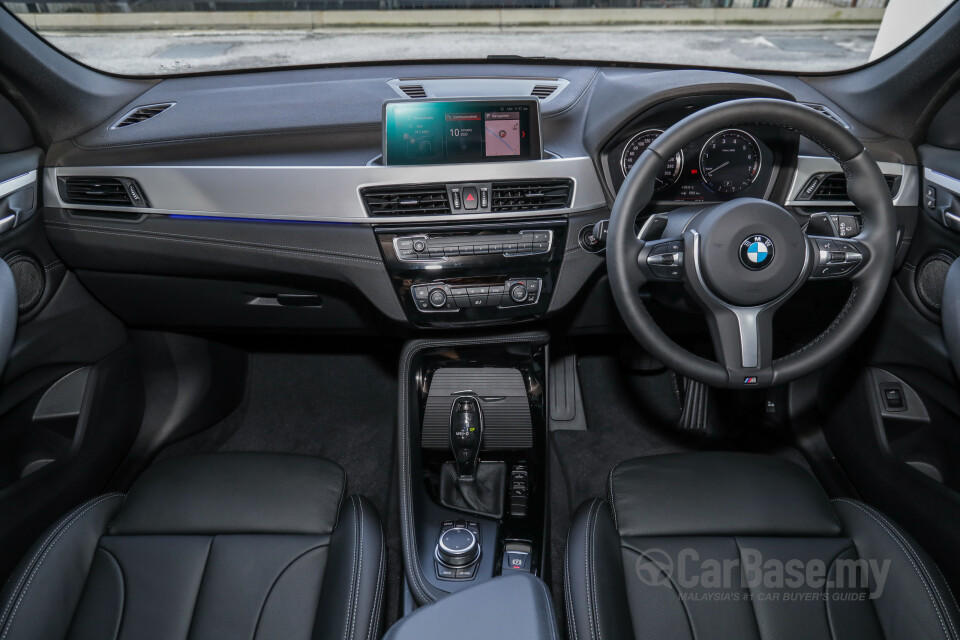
[730, 161]
[637, 145]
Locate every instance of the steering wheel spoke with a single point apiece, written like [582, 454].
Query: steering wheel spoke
[743, 339]
[662, 260]
[837, 258]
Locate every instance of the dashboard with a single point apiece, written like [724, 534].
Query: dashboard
[350, 205]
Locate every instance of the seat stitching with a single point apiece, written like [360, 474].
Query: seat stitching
[123, 590]
[418, 583]
[950, 591]
[753, 605]
[921, 564]
[586, 570]
[378, 594]
[826, 600]
[596, 593]
[36, 569]
[23, 576]
[354, 576]
[613, 502]
[567, 588]
[673, 584]
[923, 567]
[273, 585]
[907, 555]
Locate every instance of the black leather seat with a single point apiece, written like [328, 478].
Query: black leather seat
[230, 545]
[720, 545]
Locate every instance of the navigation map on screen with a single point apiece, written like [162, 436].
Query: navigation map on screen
[501, 133]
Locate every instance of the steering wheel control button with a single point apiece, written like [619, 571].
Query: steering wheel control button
[756, 252]
[665, 260]
[837, 258]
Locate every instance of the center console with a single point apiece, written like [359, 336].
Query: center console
[473, 461]
[474, 274]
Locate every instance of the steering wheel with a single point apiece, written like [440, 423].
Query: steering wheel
[743, 259]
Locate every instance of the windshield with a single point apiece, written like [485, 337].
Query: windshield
[149, 37]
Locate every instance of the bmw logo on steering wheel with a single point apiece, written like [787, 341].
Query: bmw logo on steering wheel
[756, 252]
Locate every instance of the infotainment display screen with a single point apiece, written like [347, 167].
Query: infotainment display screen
[448, 131]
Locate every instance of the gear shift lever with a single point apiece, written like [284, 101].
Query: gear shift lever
[466, 432]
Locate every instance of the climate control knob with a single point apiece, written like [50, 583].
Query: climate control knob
[518, 292]
[437, 298]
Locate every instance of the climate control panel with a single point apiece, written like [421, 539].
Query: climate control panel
[441, 297]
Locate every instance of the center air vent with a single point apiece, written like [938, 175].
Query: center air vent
[414, 90]
[112, 192]
[407, 200]
[833, 186]
[140, 114]
[543, 91]
[530, 196]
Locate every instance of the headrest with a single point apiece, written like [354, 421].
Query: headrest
[718, 494]
[223, 493]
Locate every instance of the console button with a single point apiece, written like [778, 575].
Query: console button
[540, 246]
[462, 302]
[419, 246]
[446, 573]
[478, 301]
[421, 293]
[484, 197]
[451, 251]
[438, 298]
[495, 248]
[475, 291]
[458, 291]
[466, 249]
[471, 199]
[480, 249]
[509, 246]
[423, 305]
[533, 286]
[518, 292]
[524, 246]
[456, 198]
[405, 243]
[467, 573]
[541, 236]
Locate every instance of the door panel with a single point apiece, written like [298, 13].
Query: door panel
[71, 396]
[902, 451]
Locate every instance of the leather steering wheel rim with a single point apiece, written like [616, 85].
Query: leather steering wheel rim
[866, 188]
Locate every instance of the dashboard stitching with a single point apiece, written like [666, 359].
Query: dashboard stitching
[576, 101]
[240, 244]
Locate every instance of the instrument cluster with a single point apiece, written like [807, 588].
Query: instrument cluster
[726, 164]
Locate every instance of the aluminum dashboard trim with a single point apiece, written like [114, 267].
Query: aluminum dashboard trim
[320, 193]
[908, 195]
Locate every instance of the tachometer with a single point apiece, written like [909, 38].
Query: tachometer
[730, 161]
[637, 145]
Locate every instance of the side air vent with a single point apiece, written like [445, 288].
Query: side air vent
[140, 114]
[407, 201]
[111, 192]
[414, 90]
[833, 186]
[543, 91]
[530, 196]
[824, 110]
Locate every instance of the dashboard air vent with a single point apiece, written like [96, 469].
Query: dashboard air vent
[414, 90]
[834, 187]
[407, 201]
[530, 196]
[543, 91]
[140, 114]
[827, 111]
[111, 192]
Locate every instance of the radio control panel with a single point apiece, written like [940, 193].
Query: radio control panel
[426, 248]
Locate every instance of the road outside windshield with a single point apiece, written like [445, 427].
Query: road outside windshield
[148, 37]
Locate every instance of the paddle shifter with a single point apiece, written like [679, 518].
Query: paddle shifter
[466, 432]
